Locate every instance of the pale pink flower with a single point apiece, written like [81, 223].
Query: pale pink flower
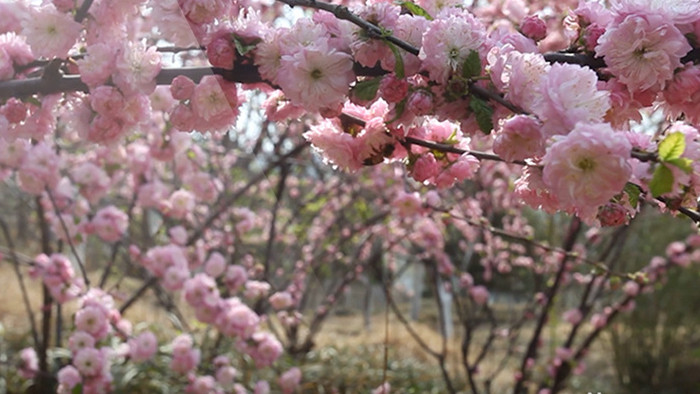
[203, 385]
[50, 33]
[290, 380]
[185, 357]
[393, 89]
[643, 51]
[256, 289]
[92, 320]
[181, 203]
[569, 95]
[174, 277]
[40, 169]
[236, 319]
[137, 68]
[110, 223]
[235, 277]
[215, 265]
[407, 204]
[225, 376]
[182, 87]
[588, 167]
[261, 387]
[479, 294]
[420, 102]
[12, 152]
[68, 378]
[447, 43]
[518, 74]
[599, 320]
[80, 340]
[143, 347]
[92, 181]
[384, 388]
[281, 300]
[316, 79]
[682, 94]
[534, 192]
[366, 50]
[29, 363]
[675, 11]
[518, 138]
[209, 101]
[160, 258]
[267, 349]
[89, 362]
[335, 146]
[409, 28]
[98, 63]
[168, 18]
[202, 11]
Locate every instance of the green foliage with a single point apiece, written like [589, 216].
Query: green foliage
[662, 181]
[483, 112]
[366, 90]
[472, 65]
[414, 9]
[672, 146]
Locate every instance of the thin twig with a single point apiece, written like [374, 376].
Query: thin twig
[68, 237]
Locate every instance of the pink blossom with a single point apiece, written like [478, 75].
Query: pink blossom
[569, 95]
[215, 265]
[267, 349]
[160, 258]
[80, 340]
[235, 277]
[92, 181]
[225, 376]
[89, 362]
[201, 290]
[316, 79]
[420, 102]
[210, 102]
[29, 363]
[174, 277]
[682, 93]
[479, 294]
[384, 388]
[110, 223]
[425, 168]
[281, 300]
[336, 146]
[50, 33]
[587, 167]
[262, 387]
[143, 347]
[290, 380]
[643, 51]
[675, 11]
[613, 214]
[393, 89]
[98, 63]
[181, 203]
[518, 138]
[448, 41]
[202, 385]
[13, 152]
[534, 192]
[533, 27]
[221, 52]
[92, 320]
[237, 319]
[573, 316]
[39, 169]
[407, 204]
[256, 289]
[599, 320]
[182, 88]
[185, 357]
[518, 74]
[68, 377]
[136, 68]
[631, 288]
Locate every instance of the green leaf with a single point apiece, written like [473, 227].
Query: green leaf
[633, 193]
[398, 67]
[662, 181]
[672, 146]
[242, 47]
[414, 9]
[472, 65]
[366, 90]
[683, 163]
[483, 112]
[78, 389]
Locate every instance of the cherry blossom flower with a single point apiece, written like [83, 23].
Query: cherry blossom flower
[49, 32]
[643, 51]
[316, 79]
[588, 167]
